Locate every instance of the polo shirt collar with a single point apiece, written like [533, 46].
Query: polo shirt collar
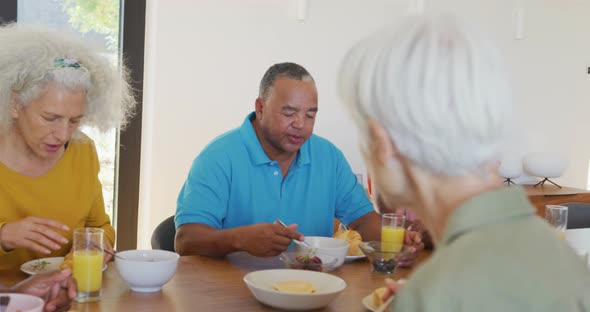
[485, 209]
[257, 154]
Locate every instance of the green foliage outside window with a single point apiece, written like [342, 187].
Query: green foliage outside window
[101, 16]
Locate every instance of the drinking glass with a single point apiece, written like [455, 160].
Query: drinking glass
[87, 266]
[557, 216]
[392, 231]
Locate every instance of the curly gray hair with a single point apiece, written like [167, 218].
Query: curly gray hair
[31, 59]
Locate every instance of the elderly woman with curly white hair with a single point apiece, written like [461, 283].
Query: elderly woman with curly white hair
[433, 105]
[51, 83]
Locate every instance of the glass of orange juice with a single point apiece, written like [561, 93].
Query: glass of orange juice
[557, 216]
[87, 265]
[393, 230]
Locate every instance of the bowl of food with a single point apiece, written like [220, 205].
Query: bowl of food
[146, 270]
[21, 302]
[325, 246]
[288, 289]
[312, 261]
[384, 256]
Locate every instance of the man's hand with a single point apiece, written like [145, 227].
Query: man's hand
[37, 234]
[56, 288]
[266, 239]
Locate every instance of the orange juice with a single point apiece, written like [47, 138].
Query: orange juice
[393, 235]
[88, 270]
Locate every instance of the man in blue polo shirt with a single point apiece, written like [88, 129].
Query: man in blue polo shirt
[272, 167]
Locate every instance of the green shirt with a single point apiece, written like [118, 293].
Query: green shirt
[497, 255]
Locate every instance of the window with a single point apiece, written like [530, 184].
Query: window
[102, 20]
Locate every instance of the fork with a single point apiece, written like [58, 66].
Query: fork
[4, 300]
[298, 242]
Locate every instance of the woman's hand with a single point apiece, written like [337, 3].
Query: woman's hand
[107, 256]
[37, 234]
[56, 288]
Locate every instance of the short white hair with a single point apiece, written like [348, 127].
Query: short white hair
[438, 89]
[31, 60]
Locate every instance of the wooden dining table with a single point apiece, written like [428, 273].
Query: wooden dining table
[212, 284]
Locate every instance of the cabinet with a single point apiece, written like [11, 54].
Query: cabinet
[552, 195]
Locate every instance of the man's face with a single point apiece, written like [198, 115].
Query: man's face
[287, 116]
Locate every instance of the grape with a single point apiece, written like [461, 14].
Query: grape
[384, 265]
[307, 263]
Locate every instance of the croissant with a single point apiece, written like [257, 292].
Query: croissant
[68, 261]
[378, 296]
[353, 238]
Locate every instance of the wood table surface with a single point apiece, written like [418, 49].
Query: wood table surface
[552, 195]
[209, 284]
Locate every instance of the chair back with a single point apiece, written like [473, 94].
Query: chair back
[163, 236]
[578, 215]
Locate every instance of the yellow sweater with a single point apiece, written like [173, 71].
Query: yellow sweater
[70, 193]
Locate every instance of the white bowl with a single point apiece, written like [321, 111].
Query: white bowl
[328, 246]
[545, 165]
[24, 303]
[260, 284]
[146, 270]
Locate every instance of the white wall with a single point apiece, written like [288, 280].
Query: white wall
[204, 60]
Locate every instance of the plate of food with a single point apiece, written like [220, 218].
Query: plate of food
[373, 301]
[353, 238]
[43, 265]
[46, 265]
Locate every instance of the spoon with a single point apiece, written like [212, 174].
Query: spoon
[296, 241]
[112, 253]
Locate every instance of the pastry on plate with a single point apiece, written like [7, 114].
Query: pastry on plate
[353, 238]
[68, 262]
[300, 287]
[378, 296]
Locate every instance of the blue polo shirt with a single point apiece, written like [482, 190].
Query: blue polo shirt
[232, 183]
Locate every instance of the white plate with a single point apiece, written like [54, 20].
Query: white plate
[260, 285]
[368, 303]
[352, 258]
[368, 300]
[44, 265]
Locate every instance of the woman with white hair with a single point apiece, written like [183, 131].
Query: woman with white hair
[432, 103]
[50, 84]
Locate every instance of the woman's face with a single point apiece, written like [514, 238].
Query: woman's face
[390, 178]
[47, 123]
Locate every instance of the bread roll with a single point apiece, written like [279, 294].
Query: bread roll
[68, 262]
[378, 296]
[353, 238]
